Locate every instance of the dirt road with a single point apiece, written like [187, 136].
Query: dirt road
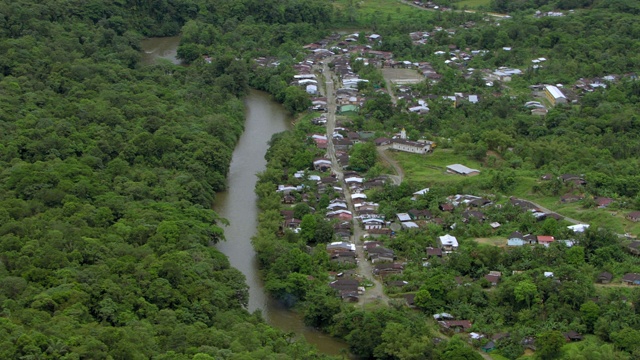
[495, 15]
[399, 176]
[376, 292]
[544, 209]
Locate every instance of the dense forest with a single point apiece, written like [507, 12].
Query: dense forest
[108, 173]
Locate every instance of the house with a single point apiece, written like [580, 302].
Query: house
[342, 144]
[545, 240]
[631, 279]
[388, 269]
[340, 246]
[554, 95]
[344, 257]
[382, 141]
[397, 283]
[415, 147]
[322, 164]
[516, 239]
[345, 285]
[479, 202]
[446, 207]
[572, 336]
[603, 202]
[380, 252]
[288, 199]
[634, 247]
[455, 325]
[291, 223]
[604, 278]
[448, 243]
[493, 277]
[462, 170]
[420, 214]
[410, 225]
[443, 316]
[634, 216]
[578, 228]
[434, 252]
[530, 239]
[402, 217]
[373, 223]
[576, 179]
[419, 193]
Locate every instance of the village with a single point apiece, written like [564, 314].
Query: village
[364, 267]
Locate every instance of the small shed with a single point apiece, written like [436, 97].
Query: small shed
[604, 277]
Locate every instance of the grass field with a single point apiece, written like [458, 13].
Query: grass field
[495, 241]
[431, 170]
[372, 12]
[472, 4]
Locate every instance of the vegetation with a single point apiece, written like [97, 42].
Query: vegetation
[108, 173]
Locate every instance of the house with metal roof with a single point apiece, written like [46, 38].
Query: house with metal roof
[462, 170]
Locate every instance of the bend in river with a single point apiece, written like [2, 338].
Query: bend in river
[239, 206]
[264, 117]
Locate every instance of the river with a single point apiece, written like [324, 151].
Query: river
[264, 117]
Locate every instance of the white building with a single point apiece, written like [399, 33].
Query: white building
[462, 170]
[403, 217]
[554, 95]
[448, 243]
[416, 147]
[373, 223]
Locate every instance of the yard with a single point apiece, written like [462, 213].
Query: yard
[495, 241]
[369, 12]
[431, 170]
[472, 4]
[402, 76]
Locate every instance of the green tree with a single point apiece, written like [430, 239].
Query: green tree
[525, 291]
[308, 228]
[590, 312]
[549, 344]
[363, 156]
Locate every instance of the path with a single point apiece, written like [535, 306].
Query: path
[544, 209]
[496, 15]
[365, 268]
[397, 179]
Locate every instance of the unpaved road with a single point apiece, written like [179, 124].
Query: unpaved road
[397, 179]
[376, 292]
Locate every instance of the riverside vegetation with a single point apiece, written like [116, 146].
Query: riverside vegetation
[514, 148]
[109, 170]
[108, 173]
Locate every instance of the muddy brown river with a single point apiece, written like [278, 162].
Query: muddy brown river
[264, 117]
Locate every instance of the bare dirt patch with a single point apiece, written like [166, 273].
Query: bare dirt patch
[499, 242]
[402, 76]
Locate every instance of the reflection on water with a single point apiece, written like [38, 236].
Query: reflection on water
[264, 118]
[239, 204]
[160, 48]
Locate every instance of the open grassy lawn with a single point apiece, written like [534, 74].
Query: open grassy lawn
[497, 357]
[472, 4]
[368, 12]
[495, 241]
[431, 168]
